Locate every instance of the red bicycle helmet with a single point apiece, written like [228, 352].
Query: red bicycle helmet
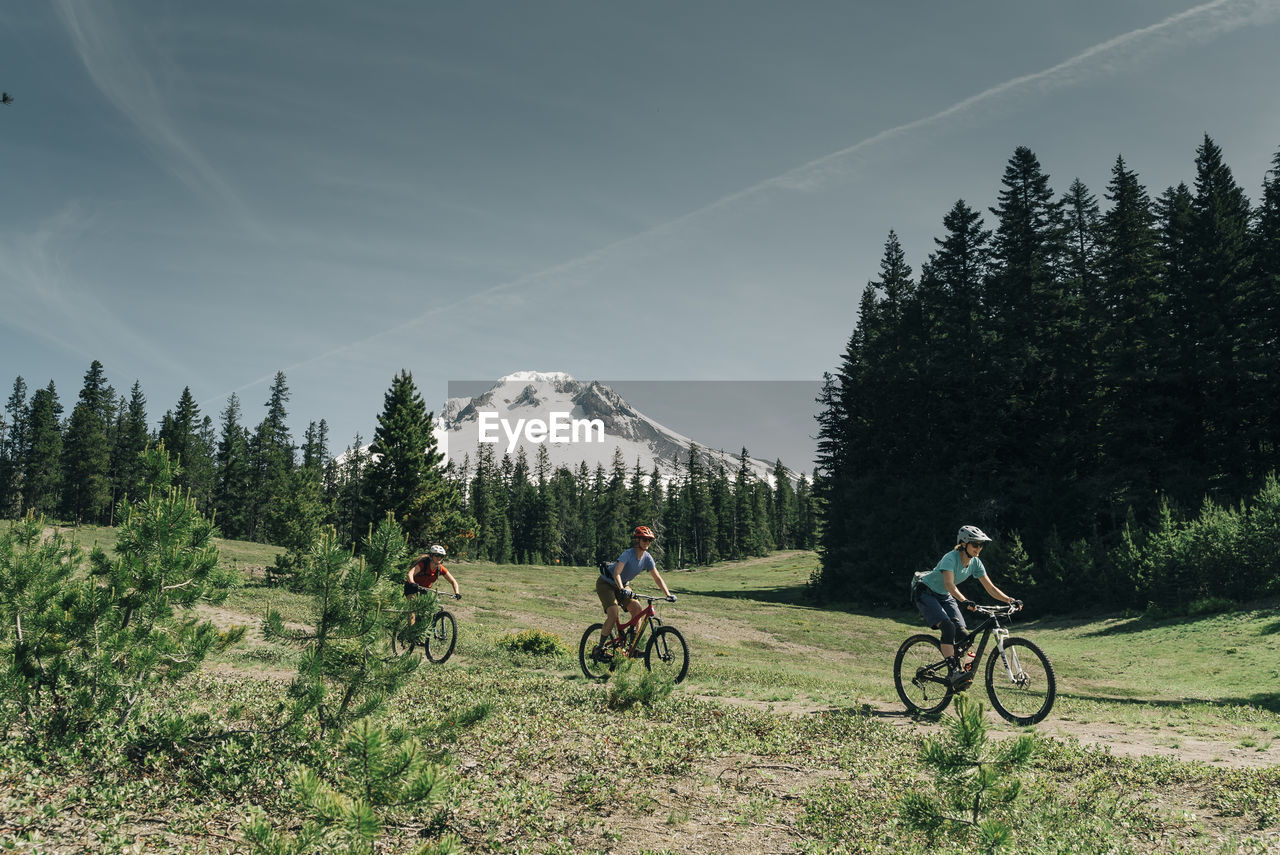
[645, 531]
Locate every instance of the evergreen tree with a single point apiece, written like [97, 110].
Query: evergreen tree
[350, 484]
[13, 450]
[315, 448]
[186, 436]
[405, 478]
[746, 536]
[546, 515]
[233, 474]
[1263, 310]
[86, 450]
[806, 536]
[271, 458]
[1177, 373]
[42, 461]
[1034, 317]
[1132, 410]
[522, 501]
[1221, 266]
[784, 509]
[612, 526]
[130, 439]
[702, 523]
[675, 521]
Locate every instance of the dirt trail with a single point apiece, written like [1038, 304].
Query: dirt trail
[1121, 740]
[1126, 740]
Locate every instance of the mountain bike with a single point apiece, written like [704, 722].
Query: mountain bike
[1019, 679]
[664, 649]
[436, 641]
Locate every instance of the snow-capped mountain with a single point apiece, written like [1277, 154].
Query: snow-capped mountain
[578, 422]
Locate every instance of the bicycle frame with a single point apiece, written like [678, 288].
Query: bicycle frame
[988, 628]
[640, 623]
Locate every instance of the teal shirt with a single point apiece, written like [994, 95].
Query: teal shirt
[951, 561]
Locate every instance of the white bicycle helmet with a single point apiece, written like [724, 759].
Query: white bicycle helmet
[437, 549]
[971, 534]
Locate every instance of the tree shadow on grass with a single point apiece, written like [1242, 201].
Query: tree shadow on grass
[788, 595]
[1269, 701]
[799, 597]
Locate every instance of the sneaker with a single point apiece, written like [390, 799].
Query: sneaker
[957, 675]
[599, 654]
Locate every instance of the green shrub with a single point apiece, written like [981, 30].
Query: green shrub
[89, 646]
[536, 642]
[632, 683]
[379, 770]
[972, 780]
[348, 670]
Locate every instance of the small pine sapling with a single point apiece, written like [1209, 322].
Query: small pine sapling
[972, 780]
[381, 771]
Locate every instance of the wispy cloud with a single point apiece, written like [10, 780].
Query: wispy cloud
[44, 299]
[126, 74]
[1198, 24]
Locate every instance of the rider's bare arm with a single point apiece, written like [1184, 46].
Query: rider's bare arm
[657, 577]
[993, 590]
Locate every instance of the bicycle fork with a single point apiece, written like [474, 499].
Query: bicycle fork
[1008, 657]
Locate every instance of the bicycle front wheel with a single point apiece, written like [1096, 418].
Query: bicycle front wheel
[920, 675]
[1020, 682]
[593, 668]
[667, 653]
[444, 634]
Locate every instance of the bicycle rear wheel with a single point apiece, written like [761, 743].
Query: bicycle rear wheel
[920, 675]
[443, 635]
[593, 668]
[667, 653]
[1020, 682]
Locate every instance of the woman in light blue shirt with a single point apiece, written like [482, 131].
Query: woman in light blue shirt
[936, 596]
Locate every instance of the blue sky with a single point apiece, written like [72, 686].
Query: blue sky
[204, 194]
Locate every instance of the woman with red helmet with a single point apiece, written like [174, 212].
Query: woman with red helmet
[612, 583]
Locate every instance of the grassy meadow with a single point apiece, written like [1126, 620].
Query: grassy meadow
[786, 736]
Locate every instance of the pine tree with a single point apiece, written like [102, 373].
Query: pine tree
[97, 645]
[702, 523]
[315, 448]
[233, 474]
[1264, 311]
[13, 450]
[405, 479]
[1177, 374]
[42, 459]
[347, 671]
[189, 437]
[86, 451]
[404, 448]
[271, 458]
[546, 516]
[1221, 266]
[130, 439]
[1033, 317]
[784, 508]
[746, 535]
[1132, 412]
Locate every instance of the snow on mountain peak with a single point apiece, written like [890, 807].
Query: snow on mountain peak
[576, 422]
[536, 377]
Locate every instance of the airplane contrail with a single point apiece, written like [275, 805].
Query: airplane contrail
[1196, 24]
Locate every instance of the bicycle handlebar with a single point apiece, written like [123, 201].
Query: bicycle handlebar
[670, 599]
[418, 589]
[1005, 610]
